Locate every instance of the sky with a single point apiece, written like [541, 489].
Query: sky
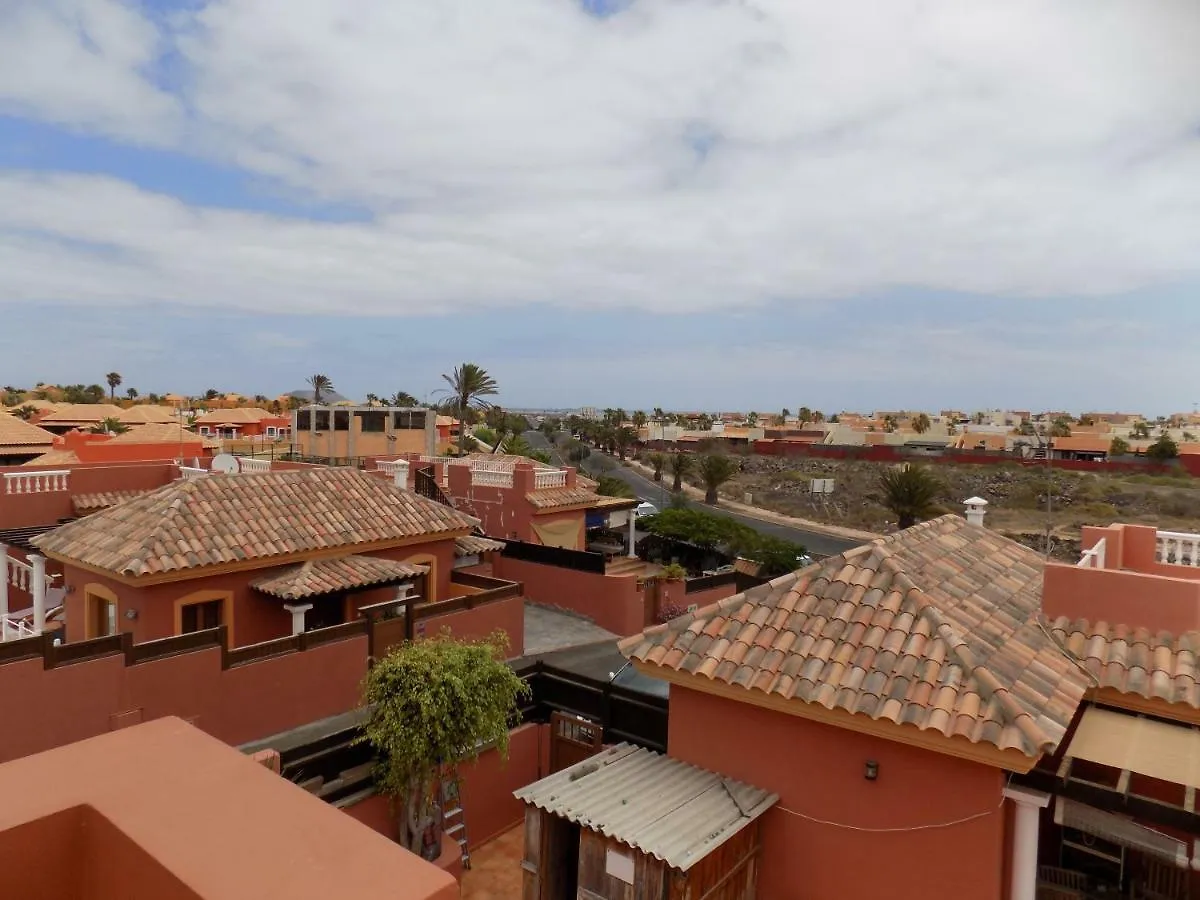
[693, 204]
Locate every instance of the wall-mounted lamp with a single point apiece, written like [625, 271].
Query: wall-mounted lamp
[871, 771]
[131, 614]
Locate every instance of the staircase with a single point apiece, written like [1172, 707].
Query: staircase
[454, 822]
[426, 485]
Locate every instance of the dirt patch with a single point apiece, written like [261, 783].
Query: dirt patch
[1016, 495]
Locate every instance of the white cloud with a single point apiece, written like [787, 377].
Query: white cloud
[679, 156]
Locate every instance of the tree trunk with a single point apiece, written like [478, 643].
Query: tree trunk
[710, 496]
[678, 484]
[418, 817]
[658, 475]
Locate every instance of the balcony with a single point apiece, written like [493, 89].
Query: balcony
[1178, 548]
[36, 482]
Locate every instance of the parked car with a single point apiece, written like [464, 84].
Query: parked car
[645, 509]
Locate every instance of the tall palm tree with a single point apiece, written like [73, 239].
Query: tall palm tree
[639, 419]
[658, 460]
[681, 464]
[470, 384]
[132, 393]
[372, 399]
[404, 398]
[109, 426]
[921, 423]
[804, 415]
[320, 384]
[715, 470]
[114, 382]
[623, 438]
[910, 492]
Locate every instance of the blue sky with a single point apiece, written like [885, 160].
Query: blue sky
[605, 203]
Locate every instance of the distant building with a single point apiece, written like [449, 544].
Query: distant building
[356, 432]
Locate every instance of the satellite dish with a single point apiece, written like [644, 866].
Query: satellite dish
[226, 464]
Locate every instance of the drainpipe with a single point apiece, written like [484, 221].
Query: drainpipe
[37, 587]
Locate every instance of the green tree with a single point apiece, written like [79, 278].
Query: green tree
[212, 394]
[623, 438]
[321, 385]
[910, 492]
[25, 413]
[921, 423]
[681, 465]
[1188, 437]
[470, 384]
[93, 393]
[404, 399]
[1061, 427]
[1118, 447]
[430, 706]
[639, 419]
[132, 394]
[608, 486]
[804, 416]
[372, 399]
[658, 462]
[114, 382]
[1141, 430]
[109, 426]
[714, 470]
[659, 415]
[1163, 449]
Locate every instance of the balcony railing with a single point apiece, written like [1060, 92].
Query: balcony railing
[549, 478]
[1178, 548]
[250, 464]
[36, 482]
[1093, 558]
[189, 472]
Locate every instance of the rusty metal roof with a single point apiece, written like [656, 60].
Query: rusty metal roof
[655, 804]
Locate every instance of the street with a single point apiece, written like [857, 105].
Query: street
[660, 495]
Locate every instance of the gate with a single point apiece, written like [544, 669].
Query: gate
[572, 739]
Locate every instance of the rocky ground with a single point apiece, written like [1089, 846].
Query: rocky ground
[1016, 495]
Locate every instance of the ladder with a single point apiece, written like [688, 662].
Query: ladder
[454, 822]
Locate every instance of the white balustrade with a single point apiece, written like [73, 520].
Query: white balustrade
[250, 464]
[1093, 558]
[487, 473]
[1178, 548]
[36, 482]
[549, 478]
[387, 466]
[24, 576]
[189, 472]
[15, 630]
[20, 574]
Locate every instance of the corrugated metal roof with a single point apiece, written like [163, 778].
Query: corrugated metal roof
[661, 806]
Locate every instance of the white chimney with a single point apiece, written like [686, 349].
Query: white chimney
[400, 473]
[976, 510]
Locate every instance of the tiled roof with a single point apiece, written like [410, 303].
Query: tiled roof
[658, 805]
[240, 415]
[55, 458]
[87, 503]
[229, 518]
[584, 482]
[156, 433]
[937, 626]
[327, 576]
[553, 498]
[16, 432]
[147, 414]
[473, 545]
[1154, 665]
[84, 413]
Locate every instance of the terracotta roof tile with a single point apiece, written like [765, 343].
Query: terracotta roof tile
[56, 458]
[554, 498]
[16, 432]
[474, 545]
[82, 413]
[88, 503]
[937, 626]
[230, 518]
[240, 415]
[155, 433]
[148, 413]
[326, 576]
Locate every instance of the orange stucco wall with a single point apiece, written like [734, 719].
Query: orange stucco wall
[256, 617]
[674, 593]
[1123, 597]
[614, 602]
[47, 708]
[817, 770]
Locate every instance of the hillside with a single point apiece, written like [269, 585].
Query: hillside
[1016, 497]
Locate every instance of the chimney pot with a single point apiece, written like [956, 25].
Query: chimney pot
[976, 510]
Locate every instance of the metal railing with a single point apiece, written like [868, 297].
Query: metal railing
[1178, 548]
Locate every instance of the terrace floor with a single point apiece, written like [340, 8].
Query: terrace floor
[549, 629]
[495, 872]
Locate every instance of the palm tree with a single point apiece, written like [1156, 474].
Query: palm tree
[681, 464]
[25, 413]
[752, 418]
[132, 393]
[372, 399]
[320, 384]
[659, 462]
[804, 415]
[109, 426]
[114, 382]
[910, 492]
[404, 399]
[658, 414]
[623, 438]
[715, 470]
[470, 384]
[921, 423]
[639, 419]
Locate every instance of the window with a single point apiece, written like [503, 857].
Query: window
[303, 417]
[409, 420]
[204, 429]
[372, 421]
[201, 616]
[271, 431]
[341, 420]
[323, 420]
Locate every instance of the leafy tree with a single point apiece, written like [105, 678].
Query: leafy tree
[608, 486]
[212, 394]
[1188, 437]
[470, 384]
[320, 384]
[658, 462]
[577, 451]
[430, 706]
[404, 399]
[1163, 449]
[726, 535]
[372, 399]
[93, 393]
[25, 413]
[714, 471]
[1061, 427]
[659, 415]
[804, 415]
[910, 492]
[623, 438]
[1141, 430]
[889, 423]
[705, 422]
[921, 423]
[752, 418]
[515, 445]
[783, 415]
[132, 394]
[486, 435]
[114, 382]
[540, 455]
[109, 426]
[639, 419]
[681, 465]
[1118, 447]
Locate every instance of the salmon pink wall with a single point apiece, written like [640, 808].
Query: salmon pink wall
[1121, 597]
[22, 510]
[817, 770]
[507, 615]
[613, 602]
[675, 593]
[47, 708]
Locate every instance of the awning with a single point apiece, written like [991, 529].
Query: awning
[1121, 831]
[1156, 749]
